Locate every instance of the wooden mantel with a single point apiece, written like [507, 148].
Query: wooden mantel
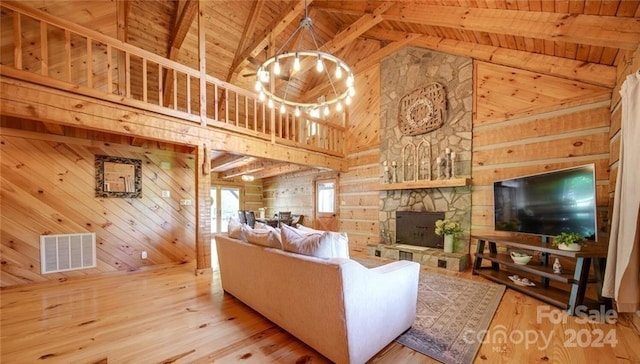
[412, 185]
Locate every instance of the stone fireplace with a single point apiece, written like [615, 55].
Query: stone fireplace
[400, 74]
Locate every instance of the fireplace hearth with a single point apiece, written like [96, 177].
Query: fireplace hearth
[418, 228]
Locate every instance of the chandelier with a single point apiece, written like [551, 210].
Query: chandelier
[298, 63]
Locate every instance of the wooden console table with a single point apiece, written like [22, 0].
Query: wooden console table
[502, 266]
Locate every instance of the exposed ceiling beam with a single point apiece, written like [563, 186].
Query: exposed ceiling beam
[280, 169]
[186, 12]
[250, 168]
[225, 161]
[54, 128]
[343, 38]
[296, 8]
[369, 61]
[385, 51]
[181, 27]
[359, 27]
[603, 31]
[591, 73]
[249, 28]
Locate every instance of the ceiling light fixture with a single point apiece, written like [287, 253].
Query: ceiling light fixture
[247, 178]
[298, 63]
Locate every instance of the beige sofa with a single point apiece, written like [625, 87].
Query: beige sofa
[343, 310]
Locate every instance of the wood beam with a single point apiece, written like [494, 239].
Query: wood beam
[251, 168]
[226, 160]
[249, 28]
[185, 15]
[592, 73]
[122, 14]
[296, 8]
[358, 28]
[595, 30]
[180, 29]
[280, 169]
[56, 129]
[369, 61]
[343, 38]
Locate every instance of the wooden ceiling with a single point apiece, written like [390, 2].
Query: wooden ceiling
[578, 40]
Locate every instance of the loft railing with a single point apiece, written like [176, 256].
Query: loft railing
[44, 49]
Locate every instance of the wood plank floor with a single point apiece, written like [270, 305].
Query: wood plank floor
[168, 315]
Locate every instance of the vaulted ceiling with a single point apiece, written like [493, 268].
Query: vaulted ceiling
[578, 40]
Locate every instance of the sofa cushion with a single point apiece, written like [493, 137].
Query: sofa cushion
[234, 229]
[266, 237]
[339, 241]
[313, 243]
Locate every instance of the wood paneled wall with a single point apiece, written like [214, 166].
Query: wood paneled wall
[358, 202]
[293, 192]
[528, 123]
[363, 128]
[48, 187]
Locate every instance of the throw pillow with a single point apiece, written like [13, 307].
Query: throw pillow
[339, 241]
[234, 228]
[306, 242]
[264, 237]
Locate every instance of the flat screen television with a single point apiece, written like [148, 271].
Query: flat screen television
[548, 203]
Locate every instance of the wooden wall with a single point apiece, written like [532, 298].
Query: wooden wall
[528, 123]
[293, 192]
[48, 187]
[358, 203]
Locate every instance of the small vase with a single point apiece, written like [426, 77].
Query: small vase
[573, 247]
[448, 243]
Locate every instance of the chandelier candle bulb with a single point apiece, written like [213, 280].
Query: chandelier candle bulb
[276, 67]
[296, 63]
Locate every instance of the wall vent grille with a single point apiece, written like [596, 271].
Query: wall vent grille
[64, 252]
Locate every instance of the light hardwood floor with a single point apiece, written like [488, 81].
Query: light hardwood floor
[168, 315]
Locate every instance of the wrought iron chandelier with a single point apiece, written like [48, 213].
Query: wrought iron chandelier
[336, 71]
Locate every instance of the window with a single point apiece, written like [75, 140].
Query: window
[326, 197]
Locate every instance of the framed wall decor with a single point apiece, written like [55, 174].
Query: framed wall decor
[118, 177]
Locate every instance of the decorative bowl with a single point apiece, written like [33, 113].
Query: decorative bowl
[520, 258]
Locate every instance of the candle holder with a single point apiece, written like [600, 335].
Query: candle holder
[386, 173]
[394, 172]
[447, 163]
[453, 164]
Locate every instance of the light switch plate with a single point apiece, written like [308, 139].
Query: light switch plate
[166, 193]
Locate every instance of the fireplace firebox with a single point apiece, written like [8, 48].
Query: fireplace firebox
[418, 228]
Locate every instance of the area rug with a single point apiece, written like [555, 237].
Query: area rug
[452, 313]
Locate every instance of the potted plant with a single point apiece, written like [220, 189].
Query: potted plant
[449, 229]
[569, 241]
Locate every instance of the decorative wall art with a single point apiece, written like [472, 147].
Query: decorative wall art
[422, 110]
[118, 177]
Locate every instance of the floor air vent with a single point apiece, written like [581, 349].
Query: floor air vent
[59, 253]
